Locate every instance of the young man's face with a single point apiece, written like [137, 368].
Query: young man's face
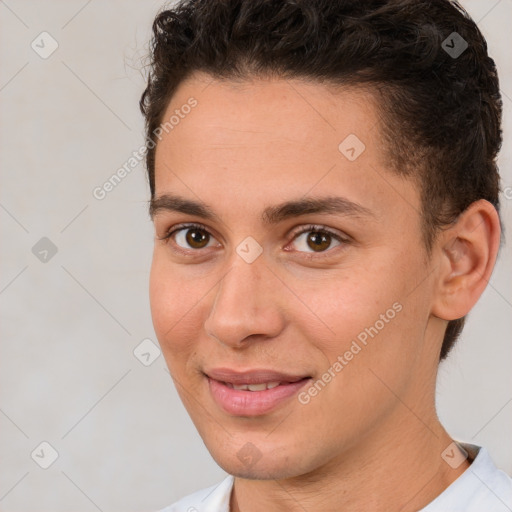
[346, 304]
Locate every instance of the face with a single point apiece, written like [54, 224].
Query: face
[288, 257]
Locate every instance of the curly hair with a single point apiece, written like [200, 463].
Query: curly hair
[440, 112]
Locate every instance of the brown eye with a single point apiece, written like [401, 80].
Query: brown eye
[197, 238]
[319, 241]
[192, 238]
[316, 240]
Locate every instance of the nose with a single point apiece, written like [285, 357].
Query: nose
[246, 305]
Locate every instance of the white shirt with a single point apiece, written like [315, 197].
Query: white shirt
[481, 488]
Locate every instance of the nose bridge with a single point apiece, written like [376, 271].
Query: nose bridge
[244, 304]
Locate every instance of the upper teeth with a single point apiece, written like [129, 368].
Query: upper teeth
[255, 387]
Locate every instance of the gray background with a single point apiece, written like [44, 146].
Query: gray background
[71, 323]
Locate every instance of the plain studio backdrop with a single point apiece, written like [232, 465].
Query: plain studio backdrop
[79, 393]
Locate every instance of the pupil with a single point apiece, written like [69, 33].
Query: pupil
[318, 241]
[197, 238]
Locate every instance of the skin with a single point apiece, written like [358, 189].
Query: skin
[370, 439]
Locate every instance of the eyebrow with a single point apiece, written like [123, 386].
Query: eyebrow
[271, 214]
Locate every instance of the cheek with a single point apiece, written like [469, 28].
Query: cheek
[370, 340]
[371, 318]
[160, 297]
[174, 303]
[351, 302]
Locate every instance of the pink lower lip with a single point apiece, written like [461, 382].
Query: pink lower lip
[252, 403]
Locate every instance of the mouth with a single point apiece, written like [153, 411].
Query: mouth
[253, 387]
[252, 393]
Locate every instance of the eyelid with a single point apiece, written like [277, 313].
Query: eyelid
[184, 225]
[323, 229]
[187, 253]
[342, 238]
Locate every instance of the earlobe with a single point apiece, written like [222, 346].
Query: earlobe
[467, 252]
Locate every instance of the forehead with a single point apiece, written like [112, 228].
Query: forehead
[256, 111]
[265, 140]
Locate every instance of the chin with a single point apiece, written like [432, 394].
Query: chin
[247, 461]
[271, 470]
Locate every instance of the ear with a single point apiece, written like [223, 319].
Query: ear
[467, 253]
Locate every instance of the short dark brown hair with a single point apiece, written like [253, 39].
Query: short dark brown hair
[440, 111]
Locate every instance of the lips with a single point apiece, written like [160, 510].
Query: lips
[252, 376]
[252, 393]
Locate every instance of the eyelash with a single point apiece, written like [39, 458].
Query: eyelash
[310, 227]
[180, 227]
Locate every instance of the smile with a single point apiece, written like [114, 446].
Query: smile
[252, 393]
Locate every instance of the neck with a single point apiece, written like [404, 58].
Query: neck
[397, 468]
